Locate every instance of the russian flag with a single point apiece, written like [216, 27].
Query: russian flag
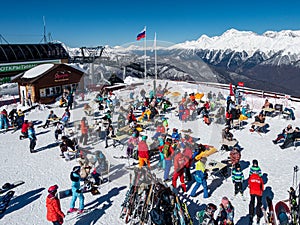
[141, 35]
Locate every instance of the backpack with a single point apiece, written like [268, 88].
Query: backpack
[166, 151]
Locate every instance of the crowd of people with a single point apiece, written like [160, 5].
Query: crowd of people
[176, 151]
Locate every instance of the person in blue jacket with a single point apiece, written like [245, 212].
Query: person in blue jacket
[76, 190]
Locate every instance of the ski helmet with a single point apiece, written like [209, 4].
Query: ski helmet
[53, 189]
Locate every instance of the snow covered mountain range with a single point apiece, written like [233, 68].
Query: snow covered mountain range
[270, 61]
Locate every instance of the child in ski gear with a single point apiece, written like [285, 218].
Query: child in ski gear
[50, 117]
[76, 190]
[226, 213]
[237, 178]
[256, 186]
[200, 178]
[255, 168]
[206, 216]
[32, 137]
[143, 152]
[160, 129]
[54, 213]
[180, 161]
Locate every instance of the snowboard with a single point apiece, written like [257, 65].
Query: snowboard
[4, 201]
[8, 186]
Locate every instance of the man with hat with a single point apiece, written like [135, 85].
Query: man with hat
[54, 213]
[143, 152]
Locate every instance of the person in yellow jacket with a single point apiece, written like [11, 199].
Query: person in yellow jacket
[200, 178]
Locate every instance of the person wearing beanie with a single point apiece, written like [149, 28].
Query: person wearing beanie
[200, 178]
[76, 190]
[237, 179]
[255, 168]
[256, 186]
[143, 152]
[54, 213]
[226, 212]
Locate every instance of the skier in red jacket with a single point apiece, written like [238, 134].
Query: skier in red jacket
[54, 213]
[256, 186]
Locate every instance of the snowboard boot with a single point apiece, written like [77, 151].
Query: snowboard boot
[258, 221]
[31, 150]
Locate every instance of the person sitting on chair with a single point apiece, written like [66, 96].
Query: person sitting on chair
[260, 119]
[50, 117]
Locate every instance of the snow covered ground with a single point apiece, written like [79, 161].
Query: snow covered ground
[45, 168]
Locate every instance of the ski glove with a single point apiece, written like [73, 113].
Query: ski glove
[78, 191]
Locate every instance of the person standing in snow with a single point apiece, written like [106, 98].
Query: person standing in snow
[143, 152]
[256, 186]
[237, 179]
[76, 190]
[32, 137]
[255, 168]
[200, 178]
[180, 161]
[54, 213]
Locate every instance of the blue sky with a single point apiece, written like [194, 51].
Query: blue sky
[93, 23]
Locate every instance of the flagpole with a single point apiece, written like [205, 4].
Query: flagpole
[155, 63]
[145, 68]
